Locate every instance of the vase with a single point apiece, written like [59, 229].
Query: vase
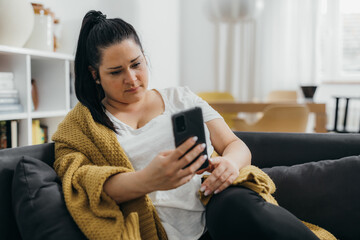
[16, 22]
[309, 91]
[42, 36]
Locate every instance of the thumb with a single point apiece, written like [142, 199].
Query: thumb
[213, 162]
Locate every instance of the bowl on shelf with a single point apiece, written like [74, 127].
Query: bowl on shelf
[309, 91]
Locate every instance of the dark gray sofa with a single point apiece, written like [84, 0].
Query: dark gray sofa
[317, 177]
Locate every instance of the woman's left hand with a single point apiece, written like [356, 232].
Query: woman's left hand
[223, 174]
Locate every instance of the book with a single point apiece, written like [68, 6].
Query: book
[9, 100]
[7, 80]
[39, 132]
[6, 84]
[14, 133]
[10, 108]
[3, 135]
[9, 93]
[9, 134]
[6, 75]
[45, 135]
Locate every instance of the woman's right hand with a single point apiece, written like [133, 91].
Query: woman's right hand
[166, 171]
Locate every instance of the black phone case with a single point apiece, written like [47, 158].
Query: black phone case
[194, 126]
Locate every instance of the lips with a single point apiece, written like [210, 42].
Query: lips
[133, 89]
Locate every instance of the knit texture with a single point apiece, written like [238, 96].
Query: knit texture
[255, 179]
[86, 155]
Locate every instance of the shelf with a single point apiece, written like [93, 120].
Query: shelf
[48, 114]
[12, 116]
[35, 53]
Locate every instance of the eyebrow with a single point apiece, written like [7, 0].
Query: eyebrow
[121, 66]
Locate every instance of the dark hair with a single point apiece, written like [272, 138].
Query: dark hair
[97, 33]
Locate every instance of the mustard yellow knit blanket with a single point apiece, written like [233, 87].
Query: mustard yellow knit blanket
[86, 154]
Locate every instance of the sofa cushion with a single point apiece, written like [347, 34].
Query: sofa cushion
[325, 193]
[38, 204]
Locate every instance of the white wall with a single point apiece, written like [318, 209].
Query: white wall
[196, 46]
[159, 29]
[157, 23]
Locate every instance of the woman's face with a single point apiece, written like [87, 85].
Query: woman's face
[123, 73]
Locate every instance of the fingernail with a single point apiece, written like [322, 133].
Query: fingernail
[205, 157]
[207, 193]
[202, 188]
[203, 145]
[195, 138]
[216, 192]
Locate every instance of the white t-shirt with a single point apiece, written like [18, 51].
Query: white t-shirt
[180, 210]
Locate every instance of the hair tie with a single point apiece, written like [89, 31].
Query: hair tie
[94, 17]
[100, 17]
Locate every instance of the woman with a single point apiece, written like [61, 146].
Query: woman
[115, 154]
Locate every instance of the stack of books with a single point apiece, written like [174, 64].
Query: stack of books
[8, 134]
[9, 95]
[39, 132]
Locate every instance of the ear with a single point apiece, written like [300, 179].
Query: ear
[93, 73]
[146, 59]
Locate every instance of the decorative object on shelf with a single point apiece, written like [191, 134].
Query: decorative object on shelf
[34, 95]
[42, 36]
[16, 22]
[57, 33]
[309, 91]
[9, 96]
[235, 16]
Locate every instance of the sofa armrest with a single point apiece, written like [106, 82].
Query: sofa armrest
[8, 161]
[286, 149]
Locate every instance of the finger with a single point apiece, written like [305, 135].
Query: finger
[191, 156]
[201, 171]
[210, 184]
[213, 162]
[194, 166]
[185, 179]
[221, 180]
[226, 184]
[184, 147]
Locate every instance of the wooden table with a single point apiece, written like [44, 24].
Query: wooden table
[319, 109]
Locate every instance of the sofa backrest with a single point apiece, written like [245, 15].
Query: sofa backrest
[287, 149]
[8, 161]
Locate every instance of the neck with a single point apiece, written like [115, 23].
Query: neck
[115, 106]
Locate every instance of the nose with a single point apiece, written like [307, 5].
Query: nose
[130, 76]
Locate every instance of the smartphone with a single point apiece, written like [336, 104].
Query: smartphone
[190, 123]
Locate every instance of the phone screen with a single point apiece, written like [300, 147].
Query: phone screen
[190, 123]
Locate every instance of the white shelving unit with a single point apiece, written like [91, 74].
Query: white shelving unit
[52, 74]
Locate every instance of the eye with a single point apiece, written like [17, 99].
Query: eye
[116, 72]
[136, 65]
